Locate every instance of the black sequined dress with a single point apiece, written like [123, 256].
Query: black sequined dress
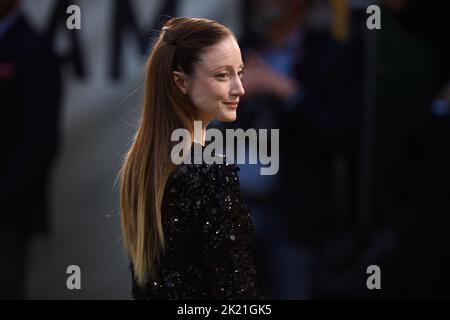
[208, 232]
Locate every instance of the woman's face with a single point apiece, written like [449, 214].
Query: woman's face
[215, 87]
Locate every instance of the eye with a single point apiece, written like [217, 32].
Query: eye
[222, 75]
[241, 73]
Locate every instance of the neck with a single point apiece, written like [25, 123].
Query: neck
[200, 131]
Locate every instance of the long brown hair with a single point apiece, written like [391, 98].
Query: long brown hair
[147, 164]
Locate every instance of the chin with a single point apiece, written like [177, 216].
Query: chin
[229, 117]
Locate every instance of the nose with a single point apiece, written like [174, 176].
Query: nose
[237, 88]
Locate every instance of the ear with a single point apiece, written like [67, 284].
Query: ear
[180, 80]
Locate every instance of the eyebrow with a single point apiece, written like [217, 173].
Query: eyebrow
[228, 67]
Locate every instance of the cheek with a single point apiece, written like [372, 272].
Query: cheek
[207, 95]
[218, 91]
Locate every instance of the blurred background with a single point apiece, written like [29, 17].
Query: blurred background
[364, 121]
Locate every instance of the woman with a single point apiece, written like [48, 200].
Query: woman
[186, 227]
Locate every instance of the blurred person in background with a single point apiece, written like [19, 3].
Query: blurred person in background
[30, 90]
[411, 153]
[298, 78]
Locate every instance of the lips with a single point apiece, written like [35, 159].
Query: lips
[232, 104]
